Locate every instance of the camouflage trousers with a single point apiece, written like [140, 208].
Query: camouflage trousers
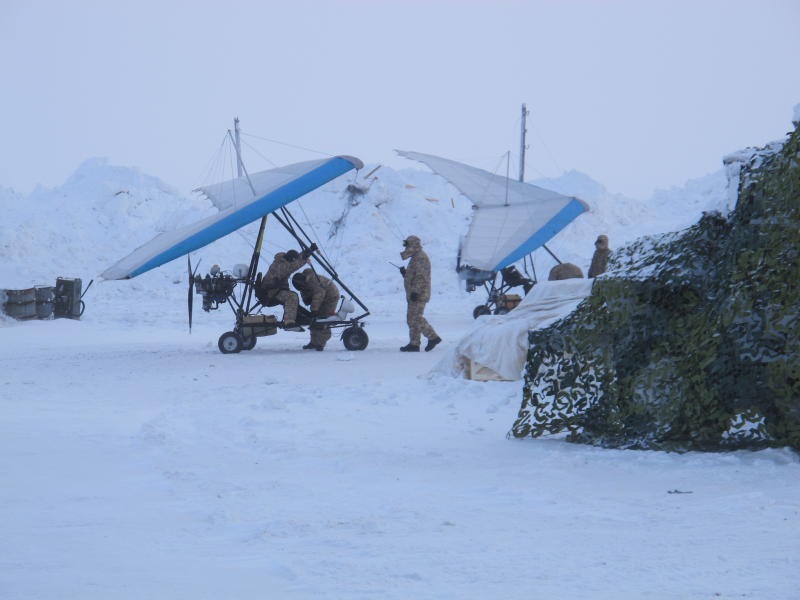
[290, 303]
[321, 335]
[417, 324]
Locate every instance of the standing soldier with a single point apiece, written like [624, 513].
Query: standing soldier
[600, 258]
[417, 281]
[275, 284]
[321, 295]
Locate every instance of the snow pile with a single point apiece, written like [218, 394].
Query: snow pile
[82, 226]
[624, 219]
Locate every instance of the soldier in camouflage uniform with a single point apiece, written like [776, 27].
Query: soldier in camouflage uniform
[275, 284]
[417, 281]
[600, 258]
[565, 271]
[321, 295]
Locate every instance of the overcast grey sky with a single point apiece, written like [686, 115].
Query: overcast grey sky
[638, 94]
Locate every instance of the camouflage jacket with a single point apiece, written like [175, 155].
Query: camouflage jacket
[318, 290]
[599, 262]
[417, 279]
[600, 258]
[277, 277]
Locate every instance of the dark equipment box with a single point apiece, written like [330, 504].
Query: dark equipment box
[67, 303]
[20, 304]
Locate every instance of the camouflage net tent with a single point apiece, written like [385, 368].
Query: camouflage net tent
[692, 339]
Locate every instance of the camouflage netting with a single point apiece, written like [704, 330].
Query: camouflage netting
[691, 340]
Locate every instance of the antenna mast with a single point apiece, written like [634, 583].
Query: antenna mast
[237, 141]
[522, 146]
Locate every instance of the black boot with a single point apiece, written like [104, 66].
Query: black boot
[292, 326]
[309, 347]
[410, 348]
[432, 343]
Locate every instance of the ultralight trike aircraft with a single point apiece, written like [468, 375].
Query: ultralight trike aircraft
[510, 220]
[241, 201]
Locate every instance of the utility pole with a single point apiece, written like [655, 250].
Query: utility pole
[238, 142]
[522, 146]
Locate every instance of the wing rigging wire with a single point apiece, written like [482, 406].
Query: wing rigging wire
[227, 160]
[508, 181]
[287, 144]
[215, 166]
[233, 164]
[222, 168]
[213, 161]
[254, 149]
[316, 238]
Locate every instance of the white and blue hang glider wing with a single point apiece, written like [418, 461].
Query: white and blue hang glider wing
[238, 206]
[511, 218]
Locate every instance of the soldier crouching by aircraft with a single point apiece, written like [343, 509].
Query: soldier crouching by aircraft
[275, 284]
[321, 295]
[417, 282]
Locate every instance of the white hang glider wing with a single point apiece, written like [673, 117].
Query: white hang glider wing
[511, 218]
[238, 206]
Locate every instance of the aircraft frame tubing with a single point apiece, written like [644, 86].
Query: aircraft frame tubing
[241, 305]
[321, 260]
[240, 309]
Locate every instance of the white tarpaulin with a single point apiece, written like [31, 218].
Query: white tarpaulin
[497, 345]
[511, 218]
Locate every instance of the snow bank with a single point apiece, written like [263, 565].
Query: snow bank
[624, 219]
[76, 229]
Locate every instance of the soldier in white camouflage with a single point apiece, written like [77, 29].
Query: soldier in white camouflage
[417, 281]
[321, 296]
[275, 288]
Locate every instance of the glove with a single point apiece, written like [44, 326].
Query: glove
[403, 271]
[414, 296]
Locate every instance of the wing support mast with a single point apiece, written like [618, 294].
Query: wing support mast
[240, 168]
[290, 224]
[522, 148]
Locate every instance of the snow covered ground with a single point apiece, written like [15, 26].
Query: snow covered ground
[139, 462]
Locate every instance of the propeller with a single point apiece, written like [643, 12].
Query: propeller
[191, 290]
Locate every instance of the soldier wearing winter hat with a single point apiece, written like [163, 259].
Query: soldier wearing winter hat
[321, 295]
[600, 257]
[275, 284]
[417, 282]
